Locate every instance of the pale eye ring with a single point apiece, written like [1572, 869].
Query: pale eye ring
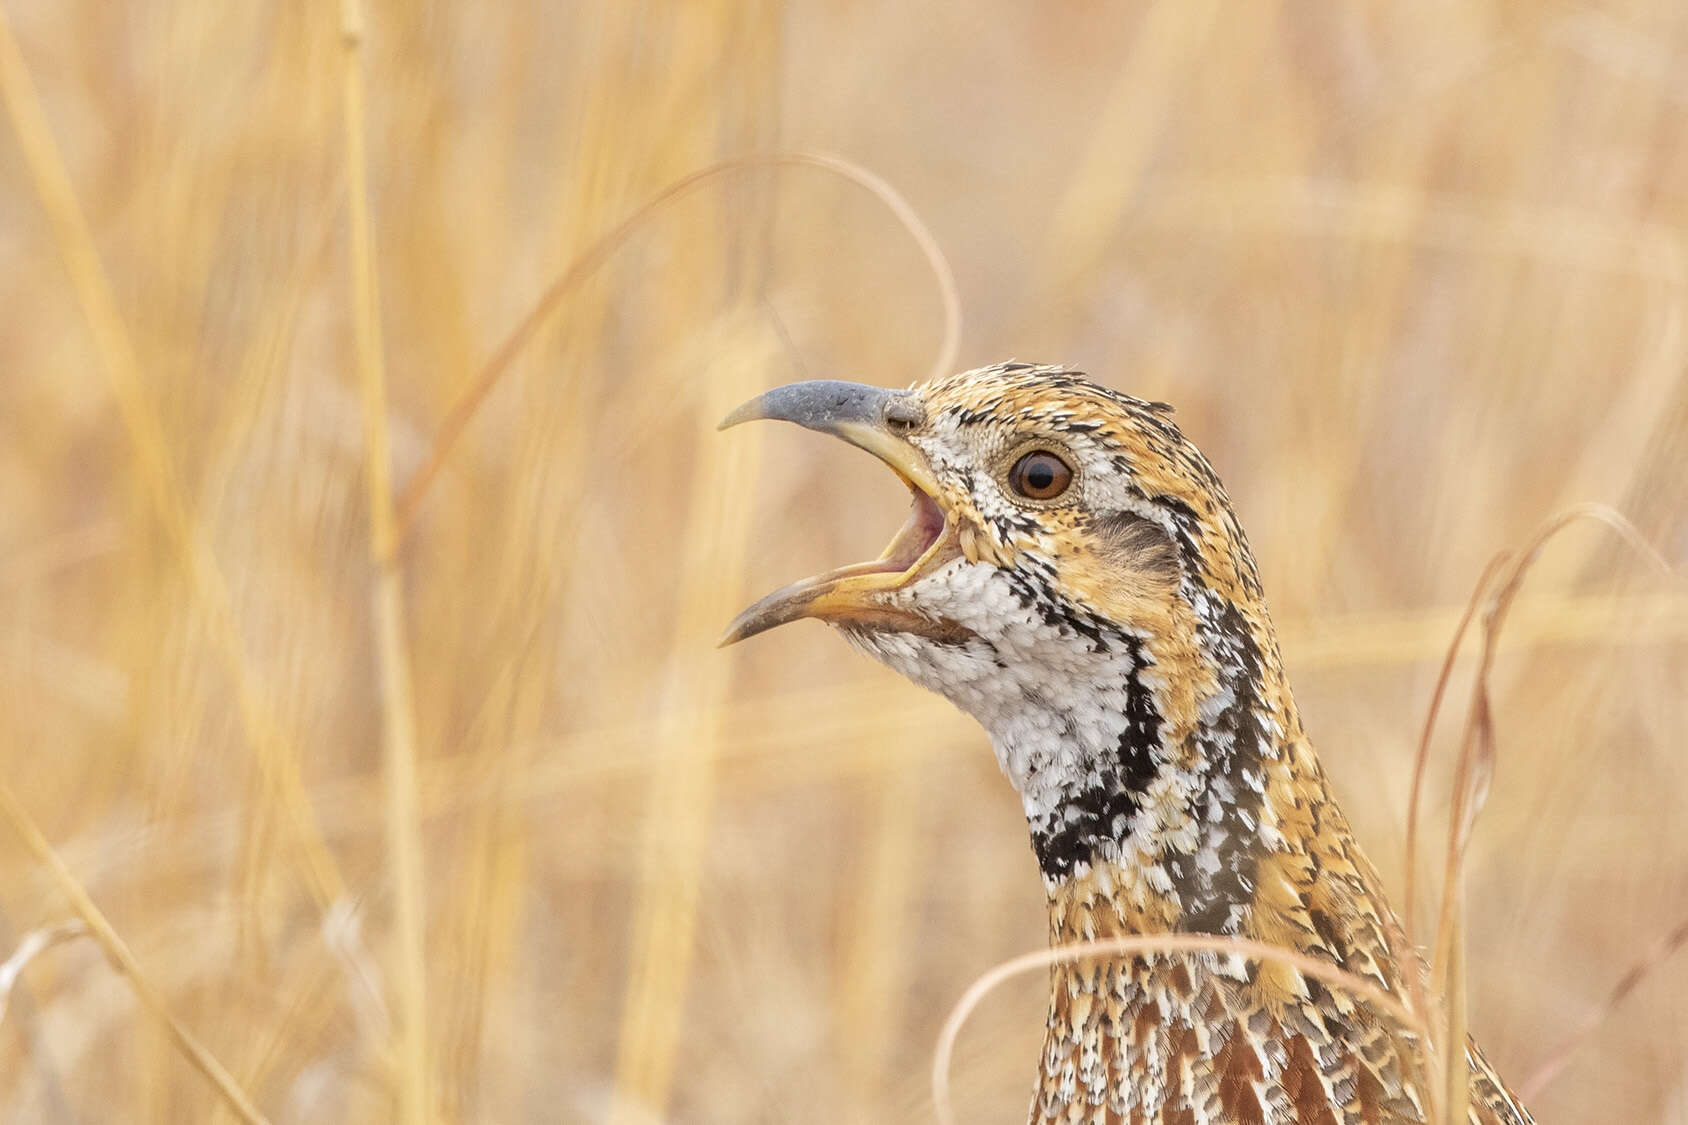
[1040, 475]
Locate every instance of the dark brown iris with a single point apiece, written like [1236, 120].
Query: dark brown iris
[1040, 475]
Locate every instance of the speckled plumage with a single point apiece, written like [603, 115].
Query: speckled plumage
[1114, 642]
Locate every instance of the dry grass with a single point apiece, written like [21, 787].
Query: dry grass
[1413, 276]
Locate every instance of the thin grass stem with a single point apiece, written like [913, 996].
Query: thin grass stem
[398, 707]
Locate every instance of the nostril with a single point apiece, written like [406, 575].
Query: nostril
[904, 410]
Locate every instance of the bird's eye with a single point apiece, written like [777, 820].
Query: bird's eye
[1040, 475]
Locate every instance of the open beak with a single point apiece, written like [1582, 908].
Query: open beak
[869, 417]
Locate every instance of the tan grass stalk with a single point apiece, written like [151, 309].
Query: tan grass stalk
[872, 978]
[276, 759]
[678, 800]
[1366, 991]
[1473, 777]
[583, 267]
[1475, 767]
[398, 710]
[1448, 1042]
[1433, 1005]
[314, 1002]
[1587, 618]
[1103, 188]
[122, 959]
[677, 813]
[1421, 763]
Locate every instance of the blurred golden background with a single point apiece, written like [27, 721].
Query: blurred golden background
[1412, 274]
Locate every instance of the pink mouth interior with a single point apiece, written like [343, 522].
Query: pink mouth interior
[923, 527]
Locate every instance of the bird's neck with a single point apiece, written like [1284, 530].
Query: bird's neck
[1184, 797]
[1166, 784]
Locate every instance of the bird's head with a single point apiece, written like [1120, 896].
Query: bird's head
[1046, 509]
[1070, 573]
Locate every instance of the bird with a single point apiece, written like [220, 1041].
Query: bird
[1072, 574]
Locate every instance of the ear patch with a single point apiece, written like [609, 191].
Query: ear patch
[1126, 568]
[1130, 544]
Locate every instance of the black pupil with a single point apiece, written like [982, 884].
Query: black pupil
[1040, 476]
